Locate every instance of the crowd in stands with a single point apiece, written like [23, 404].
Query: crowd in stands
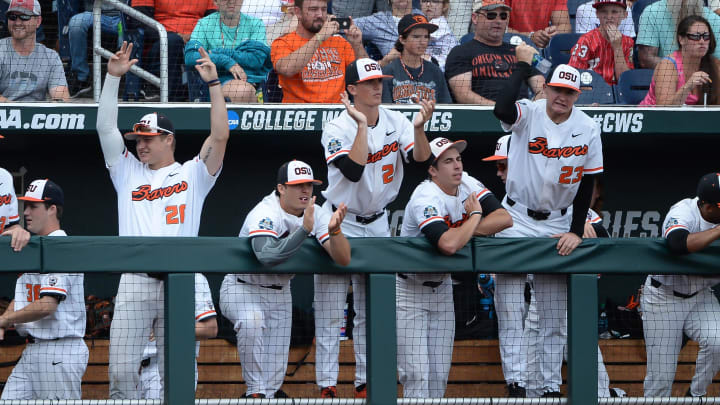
[457, 51]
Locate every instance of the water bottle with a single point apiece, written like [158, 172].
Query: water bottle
[486, 285]
[541, 64]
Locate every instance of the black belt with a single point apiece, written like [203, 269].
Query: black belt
[33, 339]
[365, 220]
[536, 215]
[431, 284]
[658, 284]
[272, 287]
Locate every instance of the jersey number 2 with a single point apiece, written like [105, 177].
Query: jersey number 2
[175, 214]
[388, 173]
[33, 292]
[566, 174]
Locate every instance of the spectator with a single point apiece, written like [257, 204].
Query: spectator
[414, 78]
[477, 70]
[237, 46]
[179, 19]
[358, 8]
[605, 49]
[442, 40]
[459, 17]
[381, 28]
[79, 79]
[586, 20]
[311, 61]
[689, 74]
[28, 71]
[656, 32]
[65, 10]
[539, 22]
[285, 24]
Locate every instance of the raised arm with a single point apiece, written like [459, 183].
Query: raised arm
[421, 149]
[213, 149]
[338, 246]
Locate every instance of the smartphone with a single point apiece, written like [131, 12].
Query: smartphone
[344, 22]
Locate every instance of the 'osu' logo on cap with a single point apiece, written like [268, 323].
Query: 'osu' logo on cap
[303, 170]
[568, 76]
[372, 66]
[442, 142]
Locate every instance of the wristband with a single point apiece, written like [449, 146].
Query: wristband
[336, 232]
[475, 212]
[213, 82]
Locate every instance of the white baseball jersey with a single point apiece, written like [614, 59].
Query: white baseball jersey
[69, 318]
[389, 141]
[163, 202]
[8, 201]
[269, 219]
[593, 217]
[548, 159]
[429, 204]
[686, 215]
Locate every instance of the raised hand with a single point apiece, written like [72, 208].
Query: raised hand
[356, 115]
[525, 52]
[205, 67]
[309, 216]
[328, 29]
[426, 110]
[120, 62]
[337, 218]
[354, 35]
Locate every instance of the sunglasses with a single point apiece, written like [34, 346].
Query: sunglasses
[149, 129]
[23, 17]
[431, 1]
[696, 37]
[491, 15]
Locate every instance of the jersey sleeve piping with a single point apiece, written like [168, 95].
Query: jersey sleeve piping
[337, 155]
[593, 170]
[674, 227]
[323, 238]
[407, 148]
[263, 232]
[53, 291]
[483, 193]
[206, 315]
[429, 221]
[594, 220]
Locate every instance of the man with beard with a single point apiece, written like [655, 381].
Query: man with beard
[311, 61]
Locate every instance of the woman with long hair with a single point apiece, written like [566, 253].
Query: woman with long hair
[689, 75]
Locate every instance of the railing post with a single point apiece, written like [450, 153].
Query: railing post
[97, 59]
[582, 339]
[381, 340]
[179, 384]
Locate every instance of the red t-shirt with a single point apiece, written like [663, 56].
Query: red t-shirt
[533, 15]
[178, 16]
[593, 51]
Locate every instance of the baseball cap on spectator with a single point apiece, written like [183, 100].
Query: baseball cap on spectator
[26, 7]
[44, 191]
[598, 3]
[150, 125]
[489, 5]
[411, 21]
[296, 172]
[439, 145]
[564, 76]
[708, 190]
[363, 69]
[501, 149]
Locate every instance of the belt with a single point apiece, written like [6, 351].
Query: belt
[365, 220]
[431, 284]
[658, 284]
[33, 339]
[272, 286]
[536, 215]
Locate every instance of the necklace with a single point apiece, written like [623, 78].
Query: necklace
[222, 34]
[422, 69]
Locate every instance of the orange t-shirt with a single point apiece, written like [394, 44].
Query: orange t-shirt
[323, 78]
[178, 16]
[532, 15]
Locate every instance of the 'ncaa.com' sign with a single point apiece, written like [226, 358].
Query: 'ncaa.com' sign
[15, 119]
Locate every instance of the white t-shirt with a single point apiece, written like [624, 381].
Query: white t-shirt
[686, 215]
[548, 159]
[69, 318]
[390, 141]
[586, 20]
[163, 202]
[8, 201]
[268, 218]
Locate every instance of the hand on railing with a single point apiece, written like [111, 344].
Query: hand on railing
[120, 62]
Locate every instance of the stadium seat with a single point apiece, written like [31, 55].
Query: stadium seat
[637, 10]
[633, 85]
[467, 37]
[559, 48]
[594, 89]
[572, 6]
[272, 93]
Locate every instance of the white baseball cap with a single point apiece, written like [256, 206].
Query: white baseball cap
[501, 149]
[152, 124]
[44, 191]
[565, 76]
[363, 69]
[296, 172]
[439, 145]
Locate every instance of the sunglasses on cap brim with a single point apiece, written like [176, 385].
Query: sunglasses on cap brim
[142, 129]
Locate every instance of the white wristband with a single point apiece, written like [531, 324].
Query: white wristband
[475, 212]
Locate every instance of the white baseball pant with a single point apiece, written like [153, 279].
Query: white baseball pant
[48, 369]
[425, 333]
[510, 308]
[151, 386]
[138, 306]
[262, 319]
[665, 318]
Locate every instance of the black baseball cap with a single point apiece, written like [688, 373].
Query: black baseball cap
[411, 21]
[363, 69]
[44, 191]
[296, 172]
[152, 124]
[708, 190]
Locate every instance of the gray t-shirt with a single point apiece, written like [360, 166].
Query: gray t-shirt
[428, 85]
[29, 78]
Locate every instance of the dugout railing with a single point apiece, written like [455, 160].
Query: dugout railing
[380, 259]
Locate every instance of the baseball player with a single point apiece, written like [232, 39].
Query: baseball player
[157, 196]
[151, 385]
[448, 209]
[50, 310]
[260, 305]
[675, 304]
[555, 152]
[364, 149]
[9, 217]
